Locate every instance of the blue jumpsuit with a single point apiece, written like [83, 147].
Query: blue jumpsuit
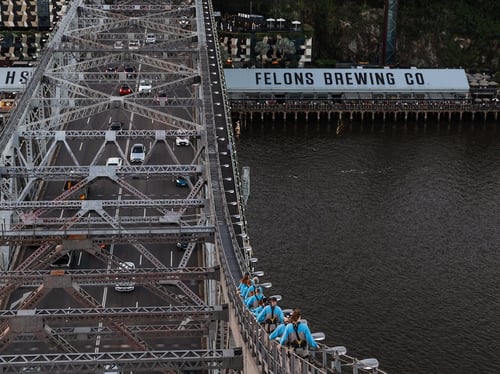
[289, 337]
[247, 290]
[266, 314]
[277, 332]
[253, 301]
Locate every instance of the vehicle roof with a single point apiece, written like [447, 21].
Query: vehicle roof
[114, 160]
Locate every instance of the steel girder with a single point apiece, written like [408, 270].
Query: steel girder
[152, 235]
[101, 134]
[106, 277]
[67, 172]
[97, 205]
[169, 329]
[138, 361]
[126, 314]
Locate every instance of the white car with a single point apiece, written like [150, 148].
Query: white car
[137, 153]
[182, 141]
[150, 38]
[134, 44]
[114, 161]
[111, 369]
[145, 86]
[126, 286]
[118, 44]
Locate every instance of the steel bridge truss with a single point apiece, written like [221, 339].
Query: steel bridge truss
[145, 361]
[77, 80]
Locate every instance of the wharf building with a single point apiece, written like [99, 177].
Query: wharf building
[357, 93]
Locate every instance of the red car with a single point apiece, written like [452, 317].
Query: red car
[125, 90]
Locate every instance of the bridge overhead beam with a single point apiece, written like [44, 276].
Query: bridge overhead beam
[166, 329]
[163, 234]
[138, 361]
[64, 173]
[95, 277]
[96, 205]
[30, 320]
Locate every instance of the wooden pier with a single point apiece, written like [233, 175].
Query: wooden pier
[251, 111]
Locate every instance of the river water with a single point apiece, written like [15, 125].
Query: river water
[388, 240]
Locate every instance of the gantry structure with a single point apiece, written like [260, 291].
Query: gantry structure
[110, 265]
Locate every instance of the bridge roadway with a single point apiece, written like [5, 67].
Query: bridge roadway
[176, 310]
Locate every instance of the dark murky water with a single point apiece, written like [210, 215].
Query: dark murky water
[388, 241]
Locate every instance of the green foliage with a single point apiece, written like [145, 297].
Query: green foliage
[437, 27]
[496, 77]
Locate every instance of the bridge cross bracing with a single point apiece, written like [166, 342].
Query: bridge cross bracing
[72, 224]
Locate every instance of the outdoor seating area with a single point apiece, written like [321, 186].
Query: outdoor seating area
[242, 22]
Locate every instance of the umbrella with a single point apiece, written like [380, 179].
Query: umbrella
[296, 24]
[270, 20]
[280, 20]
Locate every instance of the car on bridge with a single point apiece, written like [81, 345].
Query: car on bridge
[125, 90]
[182, 245]
[126, 286]
[83, 194]
[118, 45]
[182, 141]
[145, 86]
[137, 153]
[114, 161]
[111, 71]
[115, 125]
[134, 44]
[150, 38]
[181, 182]
[161, 98]
[130, 72]
[63, 262]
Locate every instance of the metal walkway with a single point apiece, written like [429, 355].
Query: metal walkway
[115, 266]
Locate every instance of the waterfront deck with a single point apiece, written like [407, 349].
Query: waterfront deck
[252, 110]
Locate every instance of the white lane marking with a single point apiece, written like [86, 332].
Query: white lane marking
[80, 258]
[140, 260]
[171, 259]
[81, 146]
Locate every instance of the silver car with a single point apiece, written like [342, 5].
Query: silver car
[137, 153]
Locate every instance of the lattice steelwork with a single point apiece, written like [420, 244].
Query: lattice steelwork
[105, 252]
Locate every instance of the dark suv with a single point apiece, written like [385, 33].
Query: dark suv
[63, 262]
[115, 125]
[130, 72]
